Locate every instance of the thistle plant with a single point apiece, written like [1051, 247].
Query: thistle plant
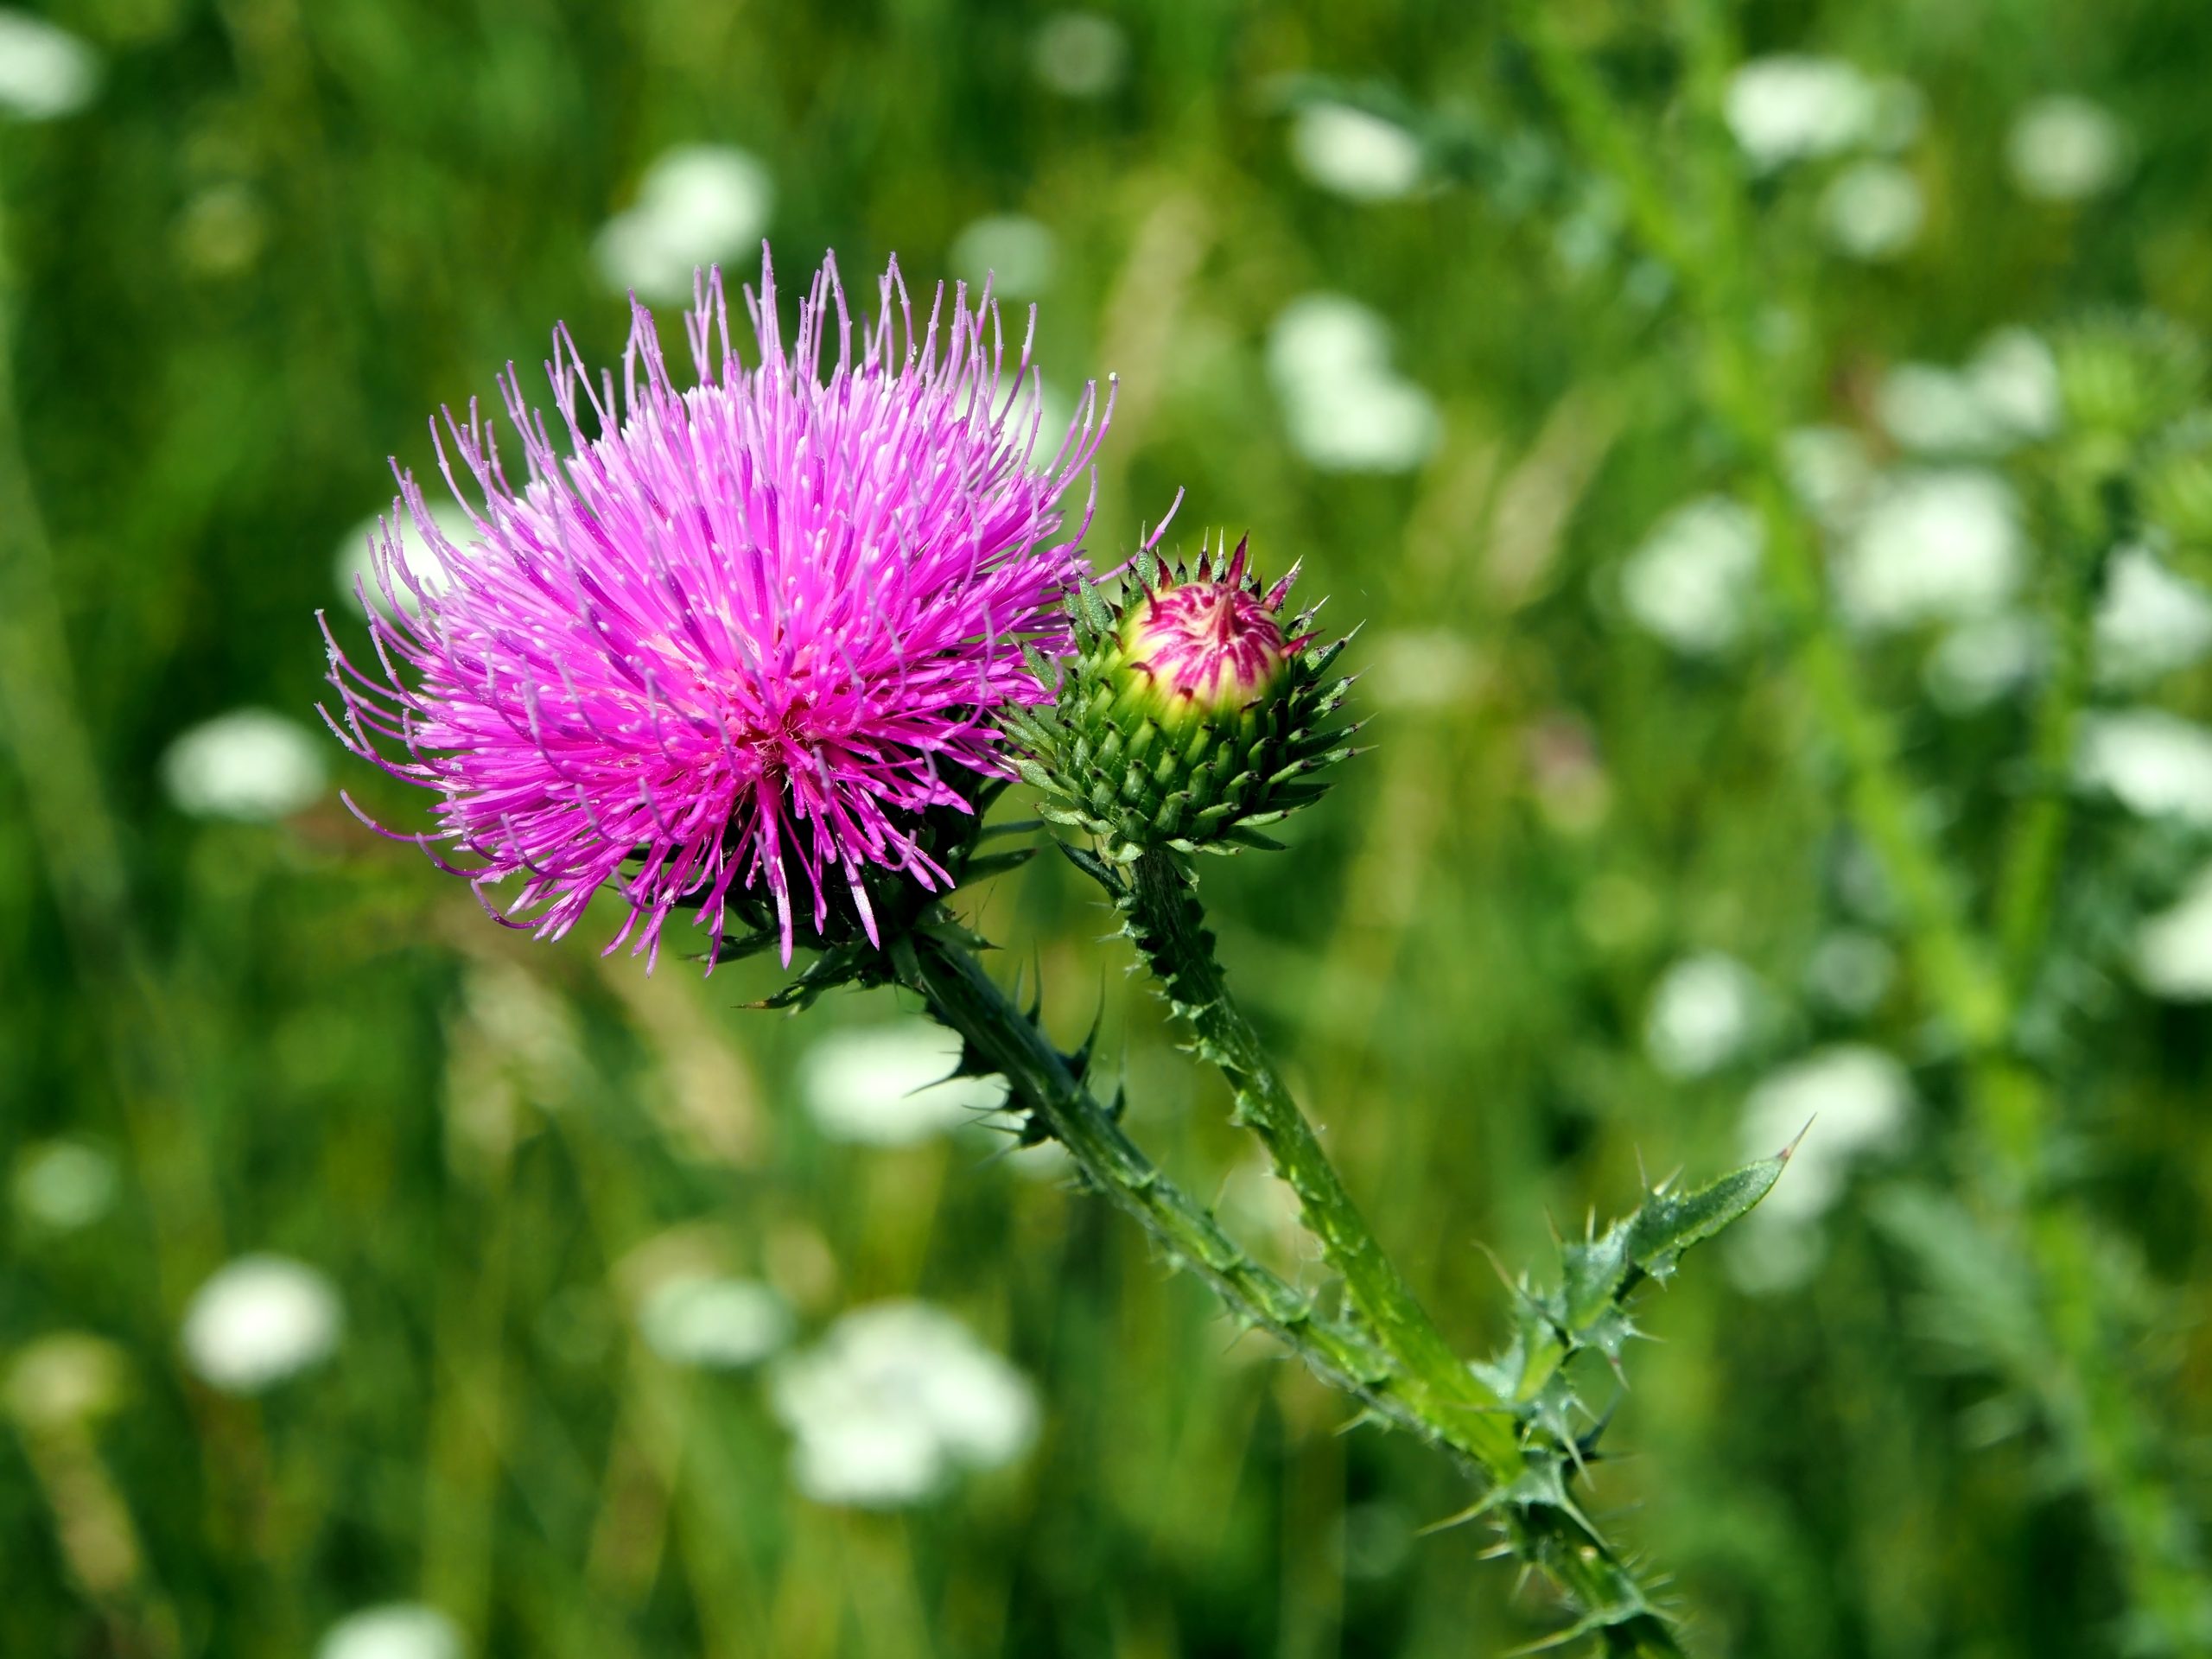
[766, 650]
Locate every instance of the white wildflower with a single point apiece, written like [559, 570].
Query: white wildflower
[2015, 378]
[2065, 149]
[1019, 254]
[698, 205]
[1830, 469]
[1703, 1015]
[1944, 544]
[1981, 662]
[2149, 621]
[892, 1085]
[1346, 407]
[399, 1630]
[1079, 54]
[2154, 764]
[1872, 211]
[894, 1402]
[45, 71]
[717, 1323]
[1364, 156]
[2173, 949]
[1859, 1103]
[1688, 581]
[258, 1320]
[1789, 108]
[63, 1185]
[251, 765]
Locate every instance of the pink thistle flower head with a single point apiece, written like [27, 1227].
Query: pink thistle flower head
[734, 645]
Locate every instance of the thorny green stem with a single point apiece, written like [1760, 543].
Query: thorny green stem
[2086, 1397]
[1169, 929]
[1168, 924]
[963, 998]
[1613, 1606]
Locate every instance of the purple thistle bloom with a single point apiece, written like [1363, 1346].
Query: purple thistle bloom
[756, 625]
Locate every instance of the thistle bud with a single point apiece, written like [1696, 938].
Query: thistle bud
[1188, 716]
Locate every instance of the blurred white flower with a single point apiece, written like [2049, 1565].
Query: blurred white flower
[1872, 211]
[892, 1085]
[1364, 156]
[1859, 1103]
[2016, 378]
[64, 1185]
[1935, 411]
[353, 567]
[1978, 662]
[2065, 149]
[2008, 395]
[45, 71]
[398, 1629]
[1424, 668]
[2173, 949]
[2149, 621]
[251, 765]
[259, 1320]
[2154, 764]
[1689, 580]
[1788, 107]
[1321, 340]
[708, 1320]
[1079, 54]
[896, 1399]
[1346, 407]
[1944, 544]
[1850, 971]
[1704, 1014]
[697, 204]
[1018, 253]
[1369, 426]
[1830, 469]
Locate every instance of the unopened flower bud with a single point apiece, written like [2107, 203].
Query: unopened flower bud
[1203, 647]
[1189, 715]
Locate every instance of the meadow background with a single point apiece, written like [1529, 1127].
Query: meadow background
[536, 1347]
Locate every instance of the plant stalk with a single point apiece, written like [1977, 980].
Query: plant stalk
[1613, 1607]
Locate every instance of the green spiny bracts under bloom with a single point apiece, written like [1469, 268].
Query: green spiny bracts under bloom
[1190, 714]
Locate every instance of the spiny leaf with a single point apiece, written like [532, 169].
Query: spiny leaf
[1650, 1241]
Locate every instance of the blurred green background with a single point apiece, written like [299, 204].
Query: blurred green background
[1587, 908]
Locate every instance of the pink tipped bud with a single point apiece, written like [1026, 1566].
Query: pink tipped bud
[1208, 645]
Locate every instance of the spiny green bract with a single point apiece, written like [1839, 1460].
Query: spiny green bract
[1140, 770]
